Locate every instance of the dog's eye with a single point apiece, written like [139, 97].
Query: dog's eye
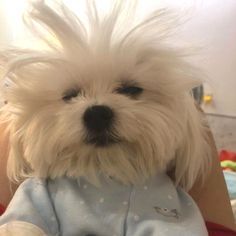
[129, 90]
[69, 94]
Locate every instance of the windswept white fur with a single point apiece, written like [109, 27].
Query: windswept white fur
[159, 130]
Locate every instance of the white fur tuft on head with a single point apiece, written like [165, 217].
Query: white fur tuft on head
[155, 130]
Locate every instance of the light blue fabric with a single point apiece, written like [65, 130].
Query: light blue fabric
[67, 207]
[230, 179]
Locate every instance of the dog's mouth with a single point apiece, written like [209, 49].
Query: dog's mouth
[102, 140]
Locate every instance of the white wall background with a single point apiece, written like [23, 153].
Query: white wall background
[212, 27]
[5, 32]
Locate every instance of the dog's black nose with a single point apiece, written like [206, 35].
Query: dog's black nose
[98, 118]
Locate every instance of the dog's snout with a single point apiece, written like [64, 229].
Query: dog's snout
[98, 118]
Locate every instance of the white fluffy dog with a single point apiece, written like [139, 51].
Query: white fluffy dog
[108, 103]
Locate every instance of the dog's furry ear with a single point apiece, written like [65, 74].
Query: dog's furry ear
[193, 158]
[17, 167]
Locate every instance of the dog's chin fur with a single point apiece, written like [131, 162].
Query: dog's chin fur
[157, 130]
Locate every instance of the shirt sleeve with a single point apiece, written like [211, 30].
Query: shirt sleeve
[20, 228]
[31, 209]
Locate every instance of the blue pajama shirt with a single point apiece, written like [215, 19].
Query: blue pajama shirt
[70, 207]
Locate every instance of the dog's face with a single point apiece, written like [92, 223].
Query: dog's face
[118, 111]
